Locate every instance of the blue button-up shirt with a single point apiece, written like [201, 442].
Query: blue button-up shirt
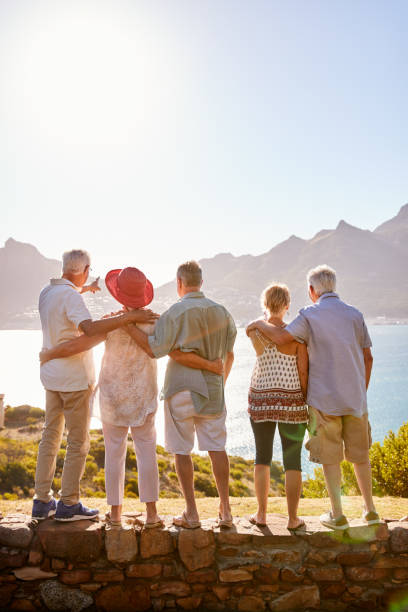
[335, 334]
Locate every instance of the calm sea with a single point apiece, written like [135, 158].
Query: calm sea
[387, 396]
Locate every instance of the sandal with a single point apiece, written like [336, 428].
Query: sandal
[112, 524]
[155, 525]
[224, 522]
[301, 528]
[182, 521]
[253, 521]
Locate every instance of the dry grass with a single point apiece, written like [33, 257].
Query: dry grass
[388, 507]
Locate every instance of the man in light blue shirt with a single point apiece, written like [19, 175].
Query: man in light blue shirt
[340, 364]
[194, 399]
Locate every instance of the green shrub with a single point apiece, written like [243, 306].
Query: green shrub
[201, 464]
[236, 474]
[172, 476]
[238, 489]
[389, 463]
[202, 482]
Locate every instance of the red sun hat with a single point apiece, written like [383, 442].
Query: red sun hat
[130, 287]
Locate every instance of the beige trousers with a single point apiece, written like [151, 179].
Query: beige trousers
[73, 410]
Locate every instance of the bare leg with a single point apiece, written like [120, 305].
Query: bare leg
[262, 478]
[293, 486]
[185, 473]
[220, 466]
[332, 474]
[151, 513]
[363, 475]
[116, 513]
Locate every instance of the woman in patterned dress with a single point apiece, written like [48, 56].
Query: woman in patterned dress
[277, 395]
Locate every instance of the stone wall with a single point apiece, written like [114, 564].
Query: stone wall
[85, 566]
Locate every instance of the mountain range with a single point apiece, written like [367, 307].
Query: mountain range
[371, 268]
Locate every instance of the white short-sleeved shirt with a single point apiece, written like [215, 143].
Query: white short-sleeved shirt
[62, 309]
[335, 334]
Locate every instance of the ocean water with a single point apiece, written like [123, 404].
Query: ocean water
[387, 394]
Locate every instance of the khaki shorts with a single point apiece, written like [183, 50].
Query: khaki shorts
[181, 421]
[334, 438]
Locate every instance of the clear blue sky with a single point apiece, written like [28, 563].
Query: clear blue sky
[151, 132]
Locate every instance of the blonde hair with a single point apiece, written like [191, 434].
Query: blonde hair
[275, 298]
[322, 279]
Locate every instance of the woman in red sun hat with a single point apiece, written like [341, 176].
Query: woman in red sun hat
[126, 397]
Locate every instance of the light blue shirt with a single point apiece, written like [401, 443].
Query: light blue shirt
[195, 324]
[335, 334]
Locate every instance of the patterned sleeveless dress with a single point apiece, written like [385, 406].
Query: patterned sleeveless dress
[275, 393]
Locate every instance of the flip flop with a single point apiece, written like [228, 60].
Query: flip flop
[224, 522]
[253, 521]
[301, 528]
[155, 525]
[182, 521]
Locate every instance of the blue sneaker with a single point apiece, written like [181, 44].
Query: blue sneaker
[77, 512]
[42, 510]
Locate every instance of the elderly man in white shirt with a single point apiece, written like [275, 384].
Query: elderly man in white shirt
[68, 383]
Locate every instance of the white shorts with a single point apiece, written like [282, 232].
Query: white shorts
[181, 421]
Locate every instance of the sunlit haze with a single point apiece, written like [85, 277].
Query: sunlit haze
[153, 132]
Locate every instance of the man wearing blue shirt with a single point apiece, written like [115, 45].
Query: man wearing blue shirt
[340, 364]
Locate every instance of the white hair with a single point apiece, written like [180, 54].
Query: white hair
[75, 261]
[322, 279]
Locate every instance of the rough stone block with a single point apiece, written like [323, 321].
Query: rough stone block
[222, 592]
[390, 561]
[355, 557]
[123, 598]
[400, 573]
[75, 576]
[235, 575]
[365, 574]
[12, 557]
[196, 548]
[250, 603]
[144, 570]
[174, 587]
[202, 576]
[189, 603]
[79, 541]
[6, 593]
[22, 605]
[110, 574]
[267, 574]
[290, 575]
[366, 533]
[319, 557]
[35, 557]
[328, 573]
[299, 599]
[59, 597]
[332, 591]
[285, 557]
[155, 542]
[121, 545]
[398, 537]
[15, 531]
[32, 573]
[58, 564]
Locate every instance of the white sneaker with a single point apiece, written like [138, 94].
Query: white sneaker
[339, 524]
[371, 518]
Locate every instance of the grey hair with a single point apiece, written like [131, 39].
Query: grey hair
[75, 261]
[322, 279]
